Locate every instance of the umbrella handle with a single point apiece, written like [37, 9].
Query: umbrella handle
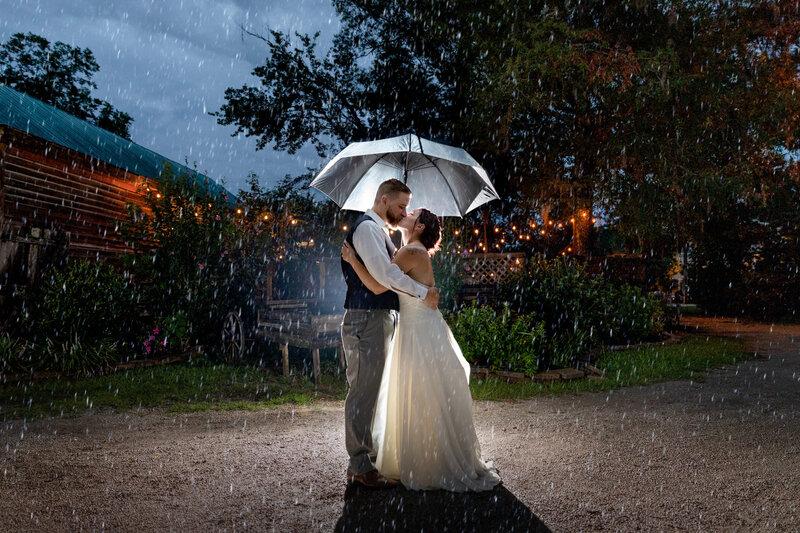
[405, 161]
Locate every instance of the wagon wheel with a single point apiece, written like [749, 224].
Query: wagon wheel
[233, 338]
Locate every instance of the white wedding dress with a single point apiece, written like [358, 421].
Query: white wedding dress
[422, 427]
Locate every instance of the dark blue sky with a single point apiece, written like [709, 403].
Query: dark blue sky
[167, 64]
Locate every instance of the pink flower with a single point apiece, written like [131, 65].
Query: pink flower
[200, 266]
[467, 268]
[147, 349]
[151, 338]
[219, 217]
[155, 331]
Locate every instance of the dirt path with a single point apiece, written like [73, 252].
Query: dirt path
[719, 455]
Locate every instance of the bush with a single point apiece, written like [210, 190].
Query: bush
[77, 319]
[75, 356]
[82, 301]
[12, 354]
[188, 256]
[579, 311]
[498, 340]
[447, 273]
[198, 258]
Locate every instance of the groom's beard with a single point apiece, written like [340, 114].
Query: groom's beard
[393, 220]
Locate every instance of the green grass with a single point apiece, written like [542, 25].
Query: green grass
[691, 359]
[180, 388]
[193, 388]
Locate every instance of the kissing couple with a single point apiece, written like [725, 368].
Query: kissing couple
[408, 412]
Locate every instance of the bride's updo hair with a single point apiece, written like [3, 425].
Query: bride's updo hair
[432, 234]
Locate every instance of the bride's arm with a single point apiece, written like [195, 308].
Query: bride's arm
[349, 255]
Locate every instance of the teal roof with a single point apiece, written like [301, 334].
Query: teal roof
[25, 113]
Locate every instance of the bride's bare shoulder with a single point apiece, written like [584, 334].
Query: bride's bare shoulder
[411, 255]
[413, 249]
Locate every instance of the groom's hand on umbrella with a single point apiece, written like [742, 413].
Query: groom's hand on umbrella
[432, 298]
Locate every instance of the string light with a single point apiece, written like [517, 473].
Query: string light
[560, 225]
[476, 232]
[513, 228]
[456, 232]
[550, 222]
[238, 211]
[294, 222]
[158, 195]
[344, 228]
[542, 232]
[497, 230]
[594, 220]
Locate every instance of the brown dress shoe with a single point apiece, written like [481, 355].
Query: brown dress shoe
[372, 479]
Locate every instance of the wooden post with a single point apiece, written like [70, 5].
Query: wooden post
[317, 370]
[285, 353]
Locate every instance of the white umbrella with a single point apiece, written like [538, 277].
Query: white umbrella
[445, 179]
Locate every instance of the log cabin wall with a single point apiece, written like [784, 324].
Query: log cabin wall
[53, 195]
[64, 186]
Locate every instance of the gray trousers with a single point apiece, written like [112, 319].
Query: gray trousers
[367, 338]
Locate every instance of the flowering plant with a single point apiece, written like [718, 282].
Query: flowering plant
[166, 336]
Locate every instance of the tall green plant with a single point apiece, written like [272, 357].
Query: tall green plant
[497, 339]
[192, 254]
[82, 301]
[580, 311]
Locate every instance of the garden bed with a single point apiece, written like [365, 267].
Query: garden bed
[568, 374]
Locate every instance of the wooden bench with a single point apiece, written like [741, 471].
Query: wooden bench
[290, 323]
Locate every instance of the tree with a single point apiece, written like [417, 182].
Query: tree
[60, 75]
[662, 116]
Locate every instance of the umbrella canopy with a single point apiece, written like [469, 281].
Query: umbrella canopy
[445, 179]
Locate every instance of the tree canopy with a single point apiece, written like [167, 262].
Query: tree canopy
[665, 118]
[60, 75]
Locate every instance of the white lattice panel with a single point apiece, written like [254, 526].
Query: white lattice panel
[490, 269]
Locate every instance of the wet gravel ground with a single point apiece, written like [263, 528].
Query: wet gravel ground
[718, 455]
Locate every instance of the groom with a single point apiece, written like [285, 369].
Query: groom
[370, 321]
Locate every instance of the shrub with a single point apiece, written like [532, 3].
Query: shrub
[199, 258]
[579, 311]
[447, 273]
[188, 256]
[81, 301]
[497, 339]
[76, 356]
[167, 335]
[12, 354]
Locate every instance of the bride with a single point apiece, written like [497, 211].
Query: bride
[422, 427]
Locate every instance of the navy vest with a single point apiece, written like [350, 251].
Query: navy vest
[358, 295]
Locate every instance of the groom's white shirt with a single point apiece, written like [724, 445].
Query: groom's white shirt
[368, 240]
